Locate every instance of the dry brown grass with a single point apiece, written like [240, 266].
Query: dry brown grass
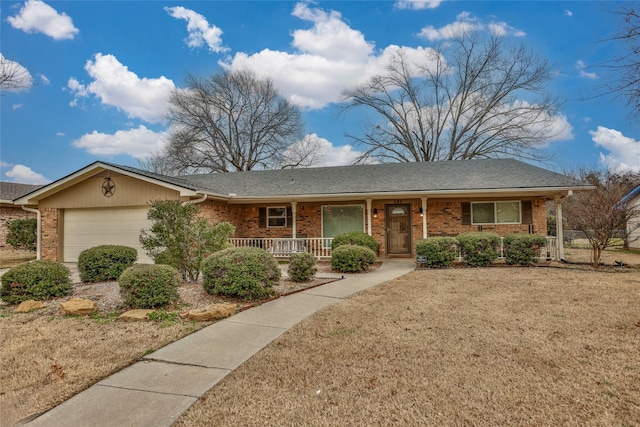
[12, 258]
[495, 346]
[45, 360]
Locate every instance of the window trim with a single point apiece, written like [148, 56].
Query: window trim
[268, 217]
[495, 212]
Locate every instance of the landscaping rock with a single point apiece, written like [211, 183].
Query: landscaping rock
[78, 306]
[212, 312]
[140, 315]
[29, 305]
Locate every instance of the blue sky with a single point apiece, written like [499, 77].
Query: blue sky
[102, 70]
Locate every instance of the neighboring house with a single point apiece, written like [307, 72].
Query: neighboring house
[8, 210]
[633, 225]
[395, 203]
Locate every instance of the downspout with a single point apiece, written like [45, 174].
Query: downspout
[38, 230]
[196, 201]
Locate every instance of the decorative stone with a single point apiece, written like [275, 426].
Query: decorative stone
[212, 312]
[78, 306]
[139, 315]
[29, 305]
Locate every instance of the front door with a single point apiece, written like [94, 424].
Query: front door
[398, 220]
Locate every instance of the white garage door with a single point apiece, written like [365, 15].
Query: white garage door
[86, 228]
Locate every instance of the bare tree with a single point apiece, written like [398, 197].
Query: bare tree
[13, 76]
[473, 98]
[604, 212]
[625, 68]
[230, 121]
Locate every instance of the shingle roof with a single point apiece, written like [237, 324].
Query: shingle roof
[13, 190]
[457, 175]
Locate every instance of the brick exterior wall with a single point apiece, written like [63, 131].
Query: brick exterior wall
[444, 218]
[8, 214]
[50, 236]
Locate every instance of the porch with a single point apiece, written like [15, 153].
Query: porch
[320, 247]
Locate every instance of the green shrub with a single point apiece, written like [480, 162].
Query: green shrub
[37, 280]
[523, 249]
[21, 233]
[439, 251]
[248, 273]
[302, 267]
[105, 262]
[352, 258]
[180, 239]
[479, 249]
[355, 238]
[149, 285]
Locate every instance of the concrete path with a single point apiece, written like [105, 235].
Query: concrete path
[155, 391]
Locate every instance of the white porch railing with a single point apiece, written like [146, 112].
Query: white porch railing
[320, 247]
[283, 247]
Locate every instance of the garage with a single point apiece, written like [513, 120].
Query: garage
[86, 228]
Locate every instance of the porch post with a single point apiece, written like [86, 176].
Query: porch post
[559, 231]
[294, 206]
[369, 217]
[424, 218]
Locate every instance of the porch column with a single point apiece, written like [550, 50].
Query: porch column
[559, 231]
[369, 217]
[294, 208]
[424, 218]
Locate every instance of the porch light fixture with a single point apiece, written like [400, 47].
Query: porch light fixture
[375, 212]
[421, 212]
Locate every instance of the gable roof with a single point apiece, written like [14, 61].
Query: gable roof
[395, 180]
[10, 191]
[437, 178]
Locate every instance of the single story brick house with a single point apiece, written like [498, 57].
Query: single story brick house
[293, 209]
[8, 210]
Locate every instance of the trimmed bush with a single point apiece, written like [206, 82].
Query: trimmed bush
[248, 273]
[106, 262]
[479, 249]
[439, 251]
[37, 280]
[149, 285]
[302, 267]
[21, 233]
[355, 238]
[523, 249]
[352, 258]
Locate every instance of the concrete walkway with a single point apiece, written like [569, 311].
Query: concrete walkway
[155, 391]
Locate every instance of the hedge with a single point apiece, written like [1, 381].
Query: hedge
[358, 238]
[105, 262]
[439, 251]
[522, 249]
[479, 249]
[37, 280]
[149, 285]
[352, 258]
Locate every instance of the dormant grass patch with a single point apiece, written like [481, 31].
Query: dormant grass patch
[45, 360]
[494, 346]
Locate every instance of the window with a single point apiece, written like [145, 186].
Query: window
[342, 219]
[277, 217]
[495, 212]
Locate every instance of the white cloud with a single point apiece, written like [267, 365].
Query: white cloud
[418, 4]
[38, 17]
[60, 134]
[24, 174]
[199, 30]
[330, 57]
[115, 85]
[567, 12]
[623, 152]
[22, 77]
[329, 154]
[465, 23]
[16, 106]
[139, 143]
[581, 67]
[44, 79]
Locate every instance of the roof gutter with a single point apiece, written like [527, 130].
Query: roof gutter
[38, 230]
[196, 201]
